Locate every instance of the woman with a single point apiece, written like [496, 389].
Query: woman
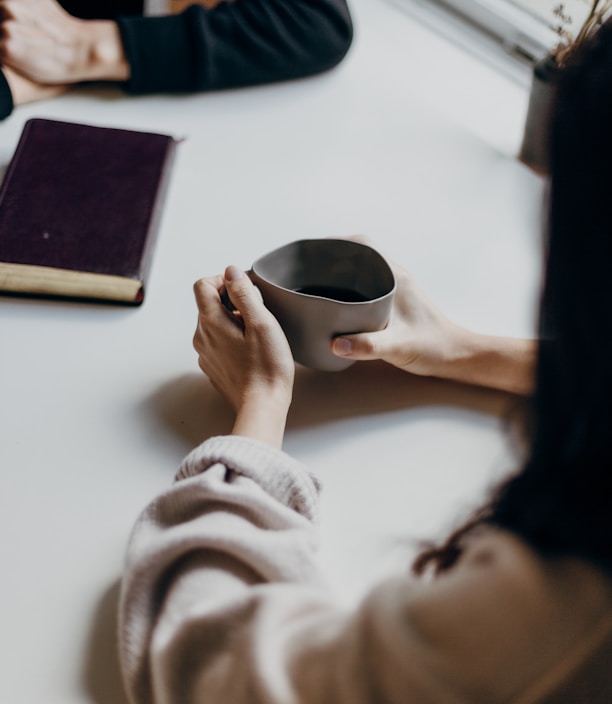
[197, 46]
[222, 599]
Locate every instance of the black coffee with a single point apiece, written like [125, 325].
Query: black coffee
[337, 294]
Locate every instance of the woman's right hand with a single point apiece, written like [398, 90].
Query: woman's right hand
[421, 340]
[418, 339]
[245, 354]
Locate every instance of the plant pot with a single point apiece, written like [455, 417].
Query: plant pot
[534, 148]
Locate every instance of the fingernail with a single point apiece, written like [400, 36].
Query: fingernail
[233, 273]
[342, 347]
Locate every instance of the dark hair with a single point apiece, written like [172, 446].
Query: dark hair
[561, 500]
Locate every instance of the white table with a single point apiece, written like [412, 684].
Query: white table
[410, 141]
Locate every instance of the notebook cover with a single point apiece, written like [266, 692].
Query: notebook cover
[84, 198]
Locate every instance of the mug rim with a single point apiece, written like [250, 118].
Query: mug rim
[301, 242]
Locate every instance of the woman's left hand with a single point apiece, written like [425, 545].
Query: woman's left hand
[245, 354]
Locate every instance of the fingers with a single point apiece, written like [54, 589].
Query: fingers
[234, 289]
[243, 294]
[11, 10]
[208, 293]
[207, 298]
[211, 311]
[43, 42]
[231, 295]
[47, 16]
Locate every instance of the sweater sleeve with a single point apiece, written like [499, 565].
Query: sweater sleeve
[6, 98]
[240, 43]
[239, 516]
[223, 600]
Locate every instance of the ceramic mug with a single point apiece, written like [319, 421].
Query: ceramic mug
[320, 288]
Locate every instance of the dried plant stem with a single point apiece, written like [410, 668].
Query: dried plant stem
[593, 19]
[597, 14]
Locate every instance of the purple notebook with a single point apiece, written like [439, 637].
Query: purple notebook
[79, 210]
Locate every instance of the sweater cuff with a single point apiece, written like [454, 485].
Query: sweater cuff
[6, 97]
[157, 70]
[284, 478]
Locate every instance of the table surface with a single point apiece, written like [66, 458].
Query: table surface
[411, 141]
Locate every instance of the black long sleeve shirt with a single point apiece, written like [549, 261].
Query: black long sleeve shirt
[241, 43]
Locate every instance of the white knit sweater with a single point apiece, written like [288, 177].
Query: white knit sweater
[223, 602]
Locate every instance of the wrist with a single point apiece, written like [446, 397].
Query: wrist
[107, 58]
[503, 363]
[262, 415]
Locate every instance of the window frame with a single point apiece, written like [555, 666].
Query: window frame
[520, 33]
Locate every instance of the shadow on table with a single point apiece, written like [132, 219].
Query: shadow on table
[191, 408]
[101, 674]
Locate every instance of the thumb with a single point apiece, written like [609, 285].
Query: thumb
[365, 345]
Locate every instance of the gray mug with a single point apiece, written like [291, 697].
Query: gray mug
[320, 288]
